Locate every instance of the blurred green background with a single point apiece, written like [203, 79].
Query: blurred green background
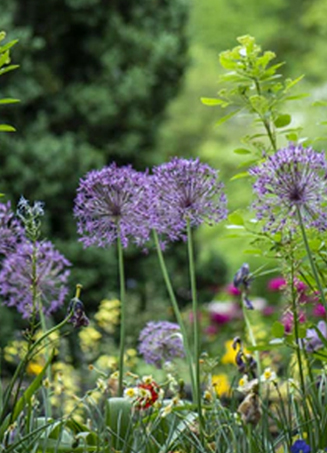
[121, 80]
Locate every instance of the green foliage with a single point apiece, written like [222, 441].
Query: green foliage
[253, 85]
[94, 87]
[5, 66]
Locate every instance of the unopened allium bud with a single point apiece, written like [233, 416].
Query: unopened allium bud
[76, 307]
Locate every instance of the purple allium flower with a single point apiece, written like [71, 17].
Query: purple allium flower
[110, 203]
[312, 341]
[300, 446]
[185, 189]
[51, 278]
[11, 230]
[161, 342]
[293, 178]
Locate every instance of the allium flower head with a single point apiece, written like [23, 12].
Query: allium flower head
[186, 189]
[11, 230]
[110, 204]
[51, 278]
[293, 178]
[161, 342]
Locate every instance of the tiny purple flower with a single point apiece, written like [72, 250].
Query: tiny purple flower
[51, 278]
[185, 190]
[110, 204]
[11, 230]
[300, 446]
[312, 341]
[161, 342]
[292, 179]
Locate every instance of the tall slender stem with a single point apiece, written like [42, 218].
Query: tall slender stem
[122, 316]
[252, 339]
[196, 333]
[177, 314]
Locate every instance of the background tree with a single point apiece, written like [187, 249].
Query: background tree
[94, 82]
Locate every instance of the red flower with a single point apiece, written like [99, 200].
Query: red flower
[150, 396]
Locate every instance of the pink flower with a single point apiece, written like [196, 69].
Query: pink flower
[319, 310]
[232, 290]
[276, 284]
[288, 320]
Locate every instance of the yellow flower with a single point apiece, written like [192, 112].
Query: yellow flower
[34, 368]
[89, 338]
[230, 354]
[108, 315]
[221, 384]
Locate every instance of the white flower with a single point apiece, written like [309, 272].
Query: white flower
[268, 375]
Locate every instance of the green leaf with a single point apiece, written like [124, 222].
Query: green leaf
[212, 101]
[227, 117]
[283, 120]
[9, 101]
[118, 420]
[8, 68]
[6, 128]
[236, 219]
[244, 174]
[296, 97]
[264, 346]
[29, 392]
[255, 252]
[242, 151]
[292, 137]
[278, 330]
[8, 46]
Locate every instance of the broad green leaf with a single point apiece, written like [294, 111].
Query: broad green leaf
[292, 137]
[119, 421]
[6, 128]
[236, 219]
[278, 330]
[242, 151]
[283, 120]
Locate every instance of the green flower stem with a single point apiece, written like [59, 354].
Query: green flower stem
[297, 339]
[196, 332]
[177, 314]
[309, 255]
[122, 316]
[48, 411]
[252, 339]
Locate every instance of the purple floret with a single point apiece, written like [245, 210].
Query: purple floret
[111, 203]
[51, 278]
[161, 342]
[292, 179]
[185, 189]
[11, 230]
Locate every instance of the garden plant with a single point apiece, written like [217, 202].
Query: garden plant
[276, 398]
